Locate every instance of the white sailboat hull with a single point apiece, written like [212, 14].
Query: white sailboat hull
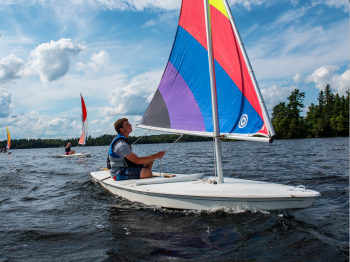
[195, 195]
[75, 155]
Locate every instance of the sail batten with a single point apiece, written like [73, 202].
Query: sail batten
[183, 98]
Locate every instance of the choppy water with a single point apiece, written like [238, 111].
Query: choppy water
[50, 210]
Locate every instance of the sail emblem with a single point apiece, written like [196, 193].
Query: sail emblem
[243, 121]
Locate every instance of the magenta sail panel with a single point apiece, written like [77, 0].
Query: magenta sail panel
[183, 109]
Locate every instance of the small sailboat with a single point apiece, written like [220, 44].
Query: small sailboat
[84, 123]
[209, 89]
[8, 143]
[84, 131]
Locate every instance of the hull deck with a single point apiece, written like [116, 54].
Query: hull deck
[234, 193]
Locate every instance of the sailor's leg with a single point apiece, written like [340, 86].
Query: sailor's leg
[145, 173]
[148, 165]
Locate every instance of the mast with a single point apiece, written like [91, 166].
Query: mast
[251, 73]
[214, 103]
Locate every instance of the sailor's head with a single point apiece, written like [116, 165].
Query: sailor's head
[122, 126]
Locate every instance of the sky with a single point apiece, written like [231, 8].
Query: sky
[114, 52]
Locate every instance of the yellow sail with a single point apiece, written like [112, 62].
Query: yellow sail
[8, 139]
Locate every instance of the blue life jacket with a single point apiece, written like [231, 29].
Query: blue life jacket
[115, 161]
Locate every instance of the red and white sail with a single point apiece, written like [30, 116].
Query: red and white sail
[84, 120]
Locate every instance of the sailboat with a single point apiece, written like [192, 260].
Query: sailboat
[209, 89]
[84, 131]
[8, 142]
[84, 122]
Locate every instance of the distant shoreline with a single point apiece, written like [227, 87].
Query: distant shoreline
[105, 140]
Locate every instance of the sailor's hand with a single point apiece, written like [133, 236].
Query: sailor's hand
[160, 154]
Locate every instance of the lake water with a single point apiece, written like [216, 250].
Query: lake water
[50, 210]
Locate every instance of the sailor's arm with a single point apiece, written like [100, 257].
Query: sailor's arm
[144, 159]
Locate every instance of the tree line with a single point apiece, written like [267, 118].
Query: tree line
[102, 140]
[328, 118]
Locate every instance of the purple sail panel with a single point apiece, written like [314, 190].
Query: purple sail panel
[182, 107]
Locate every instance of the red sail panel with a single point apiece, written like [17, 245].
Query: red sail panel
[83, 108]
[192, 19]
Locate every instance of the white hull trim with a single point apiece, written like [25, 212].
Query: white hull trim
[75, 155]
[193, 201]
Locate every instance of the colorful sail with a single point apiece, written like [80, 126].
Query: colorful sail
[182, 101]
[8, 139]
[84, 120]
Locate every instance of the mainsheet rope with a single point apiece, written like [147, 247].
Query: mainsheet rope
[140, 137]
[160, 160]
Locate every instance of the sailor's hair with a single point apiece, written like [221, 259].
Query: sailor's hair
[119, 124]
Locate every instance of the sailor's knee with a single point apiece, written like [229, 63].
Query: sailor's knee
[145, 173]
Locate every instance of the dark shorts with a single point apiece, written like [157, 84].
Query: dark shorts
[129, 173]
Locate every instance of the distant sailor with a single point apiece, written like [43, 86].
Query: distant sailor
[69, 151]
[122, 162]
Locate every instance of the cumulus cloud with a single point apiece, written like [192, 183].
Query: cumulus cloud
[79, 65]
[10, 68]
[41, 126]
[98, 61]
[298, 78]
[321, 76]
[133, 97]
[5, 103]
[274, 94]
[325, 75]
[104, 121]
[341, 82]
[52, 60]
[112, 111]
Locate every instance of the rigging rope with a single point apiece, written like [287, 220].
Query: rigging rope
[160, 160]
[141, 137]
[135, 141]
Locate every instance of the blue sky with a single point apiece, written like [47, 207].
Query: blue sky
[114, 53]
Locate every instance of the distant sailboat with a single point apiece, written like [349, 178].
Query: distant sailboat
[209, 89]
[8, 139]
[84, 131]
[8, 145]
[84, 120]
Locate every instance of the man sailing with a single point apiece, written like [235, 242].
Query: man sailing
[122, 162]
